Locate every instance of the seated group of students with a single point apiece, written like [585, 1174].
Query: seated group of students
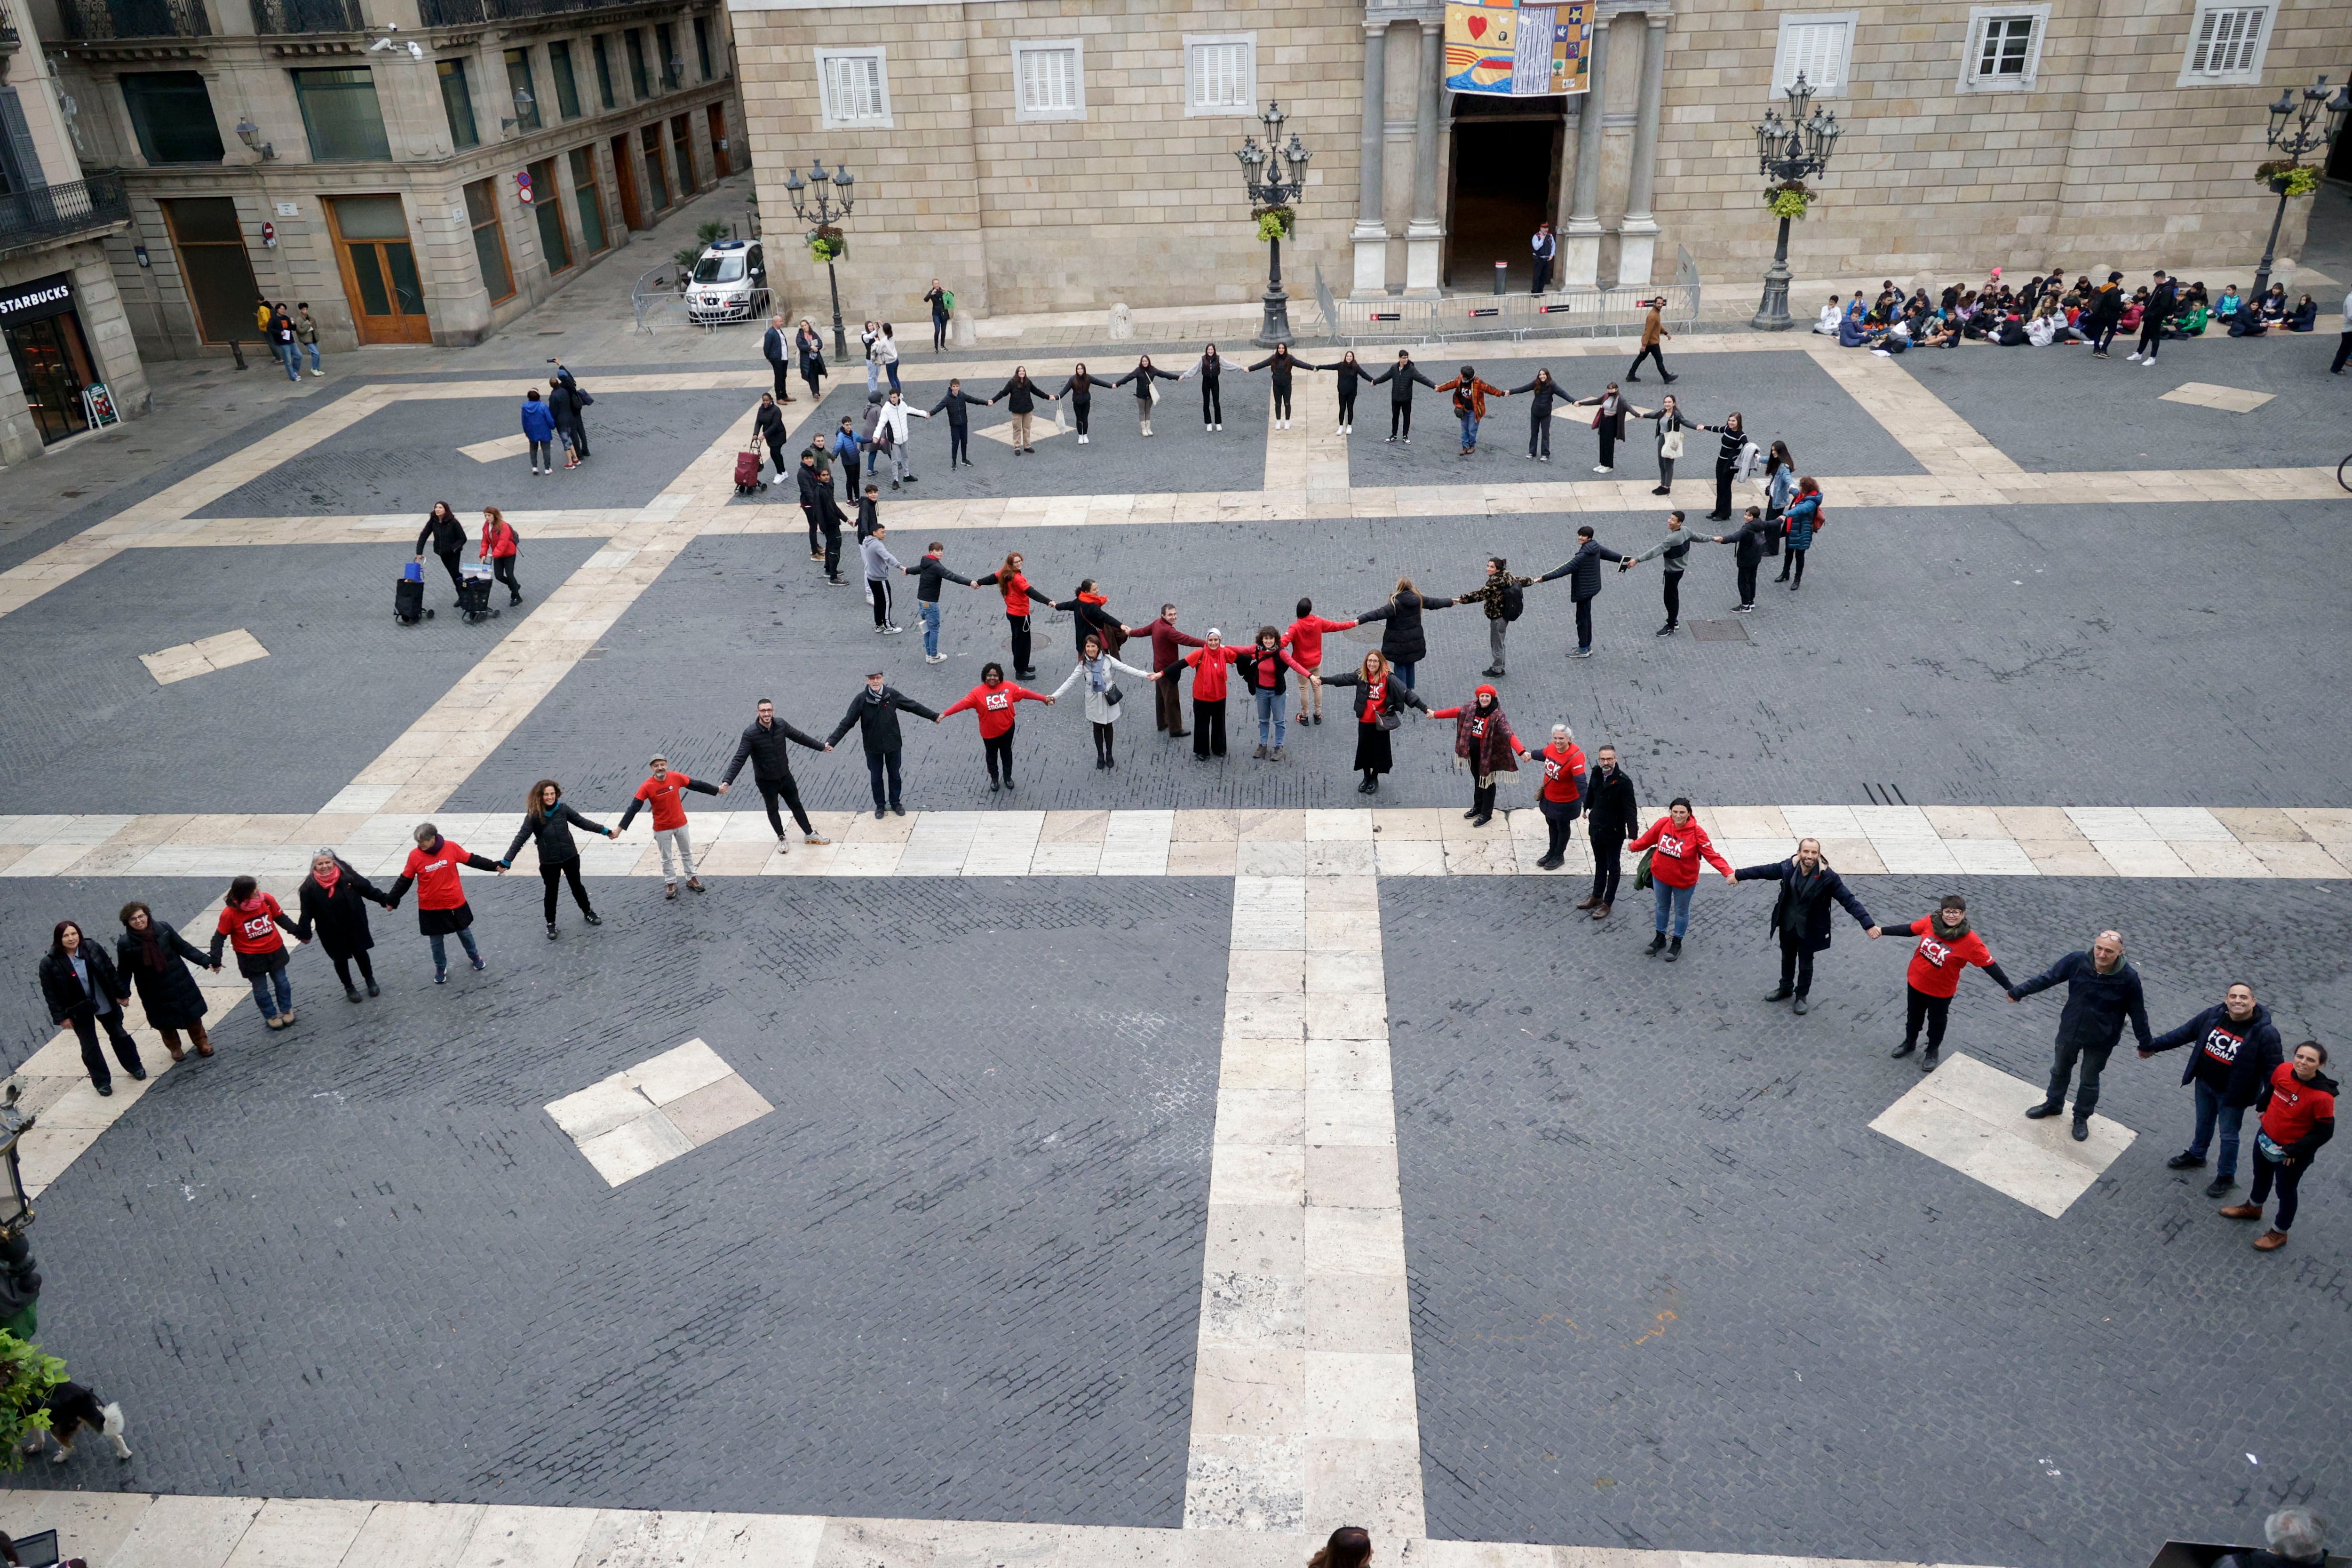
[2047, 310]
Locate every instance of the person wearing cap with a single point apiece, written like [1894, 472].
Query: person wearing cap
[2104, 313]
[1210, 663]
[664, 791]
[1484, 741]
[875, 710]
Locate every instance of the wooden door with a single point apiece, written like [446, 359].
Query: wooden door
[379, 267]
[214, 267]
[633, 211]
[719, 141]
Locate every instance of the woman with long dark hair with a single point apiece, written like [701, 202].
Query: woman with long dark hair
[1090, 616]
[1350, 1546]
[1547, 392]
[1804, 520]
[1279, 364]
[1144, 374]
[1080, 390]
[1008, 581]
[549, 820]
[84, 992]
[1381, 701]
[808, 347]
[333, 900]
[250, 919]
[1020, 396]
[1213, 403]
[154, 957]
[1351, 376]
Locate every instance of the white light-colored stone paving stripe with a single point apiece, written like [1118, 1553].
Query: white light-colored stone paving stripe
[172, 665]
[372, 824]
[137, 1529]
[2205, 394]
[1307, 464]
[1972, 1117]
[647, 1115]
[1304, 1414]
[497, 448]
[372, 528]
[1946, 445]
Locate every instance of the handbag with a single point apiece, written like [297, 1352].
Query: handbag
[1389, 721]
[2269, 1149]
[1670, 444]
[1113, 696]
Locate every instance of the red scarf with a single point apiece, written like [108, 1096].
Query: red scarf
[1094, 598]
[327, 883]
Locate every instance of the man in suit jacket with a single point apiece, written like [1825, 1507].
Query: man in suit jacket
[777, 349]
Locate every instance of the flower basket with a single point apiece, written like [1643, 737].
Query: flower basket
[2289, 179]
[26, 1377]
[1789, 200]
[827, 244]
[1275, 223]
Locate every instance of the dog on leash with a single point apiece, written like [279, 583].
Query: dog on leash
[73, 1408]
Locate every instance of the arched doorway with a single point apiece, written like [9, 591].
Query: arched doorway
[1505, 180]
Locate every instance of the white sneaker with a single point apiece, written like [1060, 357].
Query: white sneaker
[1602, 468]
[935, 659]
[318, 373]
[2135, 359]
[2148, 363]
[1082, 440]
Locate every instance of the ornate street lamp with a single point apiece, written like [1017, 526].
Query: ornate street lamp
[818, 200]
[1785, 152]
[1275, 175]
[2295, 129]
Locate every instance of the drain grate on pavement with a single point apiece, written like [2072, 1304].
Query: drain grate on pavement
[1719, 631]
[648, 1115]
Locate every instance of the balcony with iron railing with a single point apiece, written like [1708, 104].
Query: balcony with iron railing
[273, 17]
[96, 20]
[46, 213]
[473, 13]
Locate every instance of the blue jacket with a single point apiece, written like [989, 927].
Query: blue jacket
[538, 422]
[2096, 1004]
[2250, 1049]
[844, 445]
[1800, 517]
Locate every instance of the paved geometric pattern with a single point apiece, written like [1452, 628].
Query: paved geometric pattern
[649, 1114]
[1965, 1115]
[202, 655]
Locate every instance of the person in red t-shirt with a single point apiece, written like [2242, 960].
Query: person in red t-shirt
[1381, 701]
[441, 907]
[250, 919]
[1562, 798]
[1679, 844]
[664, 791]
[1210, 665]
[2298, 1109]
[1010, 581]
[1946, 945]
[1305, 641]
[993, 701]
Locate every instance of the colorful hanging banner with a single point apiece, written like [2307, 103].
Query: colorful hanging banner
[1507, 50]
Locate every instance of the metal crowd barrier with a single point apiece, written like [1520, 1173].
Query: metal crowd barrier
[1567, 313]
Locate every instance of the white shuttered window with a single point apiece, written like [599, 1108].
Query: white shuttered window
[1822, 47]
[2225, 43]
[1048, 80]
[854, 86]
[1221, 76]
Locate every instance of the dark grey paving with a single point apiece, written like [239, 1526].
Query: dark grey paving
[90, 730]
[2061, 411]
[404, 456]
[1996, 657]
[1780, 397]
[955, 1275]
[1670, 1291]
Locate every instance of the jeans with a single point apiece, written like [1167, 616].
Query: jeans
[126, 1050]
[939, 334]
[770, 789]
[1797, 963]
[291, 354]
[1918, 1007]
[314, 354]
[1270, 708]
[2288, 1178]
[892, 368]
[675, 841]
[1606, 867]
[1469, 430]
[2086, 1094]
[549, 875]
[2211, 1114]
[877, 765]
[269, 981]
[441, 953]
[929, 610]
[1673, 901]
[1404, 672]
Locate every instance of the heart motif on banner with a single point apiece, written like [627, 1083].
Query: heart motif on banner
[1478, 25]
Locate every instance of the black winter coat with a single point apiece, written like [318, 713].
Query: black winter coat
[1399, 694]
[1096, 621]
[63, 991]
[766, 751]
[340, 919]
[1609, 809]
[2257, 1055]
[554, 832]
[1803, 908]
[1401, 378]
[1401, 640]
[2097, 1005]
[170, 994]
[1582, 569]
[876, 719]
[1545, 391]
[445, 534]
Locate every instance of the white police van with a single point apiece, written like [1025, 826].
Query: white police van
[730, 282]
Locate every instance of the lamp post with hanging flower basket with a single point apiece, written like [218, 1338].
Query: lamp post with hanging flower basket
[2303, 120]
[826, 243]
[1276, 175]
[1785, 152]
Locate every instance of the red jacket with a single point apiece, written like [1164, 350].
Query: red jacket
[1016, 593]
[1210, 666]
[1563, 773]
[1486, 741]
[1304, 638]
[1679, 851]
[995, 705]
[435, 875]
[1167, 644]
[2299, 1113]
[499, 542]
[252, 927]
[1936, 962]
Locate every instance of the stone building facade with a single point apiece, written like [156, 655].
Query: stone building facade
[1058, 155]
[67, 360]
[370, 157]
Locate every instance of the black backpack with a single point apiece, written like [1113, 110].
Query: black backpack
[1515, 601]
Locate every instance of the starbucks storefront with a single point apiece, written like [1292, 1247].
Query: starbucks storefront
[64, 393]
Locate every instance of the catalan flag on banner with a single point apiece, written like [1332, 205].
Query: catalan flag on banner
[1508, 50]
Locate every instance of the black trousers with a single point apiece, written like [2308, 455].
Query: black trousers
[126, 1049]
[814, 381]
[1212, 406]
[1558, 819]
[1584, 623]
[776, 456]
[1672, 593]
[2151, 334]
[450, 561]
[1208, 727]
[1723, 472]
[1081, 409]
[997, 748]
[959, 443]
[2106, 335]
[1401, 421]
[1605, 868]
[1539, 435]
[832, 550]
[2343, 352]
[1348, 402]
[783, 379]
[2093, 1060]
[1796, 962]
[1608, 446]
[1649, 353]
[768, 790]
[1020, 629]
[579, 428]
[1918, 1007]
[1543, 275]
[2287, 1177]
[367, 970]
[1747, 567]
[1282, 400]
[1792, 566]
[877, 765]
[817, 545]
[549, 875]
[1104, 735]
[502, 567]
[879, 589]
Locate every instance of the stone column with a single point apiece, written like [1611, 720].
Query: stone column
[1371, 234]
[1638, 237]
[1580, 241]
[1425, 234]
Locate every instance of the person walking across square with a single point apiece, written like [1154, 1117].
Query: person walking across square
[1654, 332]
